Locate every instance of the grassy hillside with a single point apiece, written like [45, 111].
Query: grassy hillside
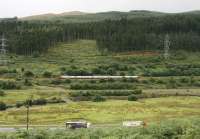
[24, 78]
[83, 55]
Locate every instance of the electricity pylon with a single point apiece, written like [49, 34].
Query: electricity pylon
[167, 44]
[3, 51]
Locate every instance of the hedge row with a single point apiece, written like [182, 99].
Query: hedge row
[114, 86]
[105, 93]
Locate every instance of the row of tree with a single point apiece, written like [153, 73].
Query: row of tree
[143, 33]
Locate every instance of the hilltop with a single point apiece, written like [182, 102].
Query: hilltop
[77, 16]
[53, 16]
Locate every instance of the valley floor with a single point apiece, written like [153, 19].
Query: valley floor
[111, 111]
[170, 88]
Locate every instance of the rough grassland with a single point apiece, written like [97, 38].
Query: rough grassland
[111, 111]
[84, 55]
[14, 96]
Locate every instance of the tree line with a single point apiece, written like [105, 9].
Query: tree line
[149, 33]
[28, 38]
[142, 33]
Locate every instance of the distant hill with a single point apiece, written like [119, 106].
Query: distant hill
[8, 19]
[77, 16]
[52, 16]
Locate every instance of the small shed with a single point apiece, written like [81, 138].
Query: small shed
[133, 123]
[77, 124]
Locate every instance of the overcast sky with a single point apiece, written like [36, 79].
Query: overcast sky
[10, 8]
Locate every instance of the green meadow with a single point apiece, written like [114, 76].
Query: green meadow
[164, 97]
[109, 112]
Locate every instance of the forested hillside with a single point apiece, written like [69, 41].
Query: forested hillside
[149, 33]
[142, 33]
[80, 17]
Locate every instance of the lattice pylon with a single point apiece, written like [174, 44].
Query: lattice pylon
[3, 51]
[167, 44]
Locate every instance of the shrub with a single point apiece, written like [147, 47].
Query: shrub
[124, 79]
[47, 74]
[63, 69]
[78, 72]
[138, 91]
[111, 71]
[9, 85]
[67, 81]
[40, 101]
[113, 86]
[22, 69]
[2, 93]
[29, 74]
[184, 80]
[3, 106]
[56, 82]
[36, 54]
[102, 81]
[132, 98]
[111, 80]
[98, 98]
[4, 71]
[122, 74]
[98, 71]
[105, 93]
[28, 102]
[27, 82]
[55, 100]
[19, 104]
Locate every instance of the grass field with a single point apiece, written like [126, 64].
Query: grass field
[83, 55]
[14, 96]
[112, 111]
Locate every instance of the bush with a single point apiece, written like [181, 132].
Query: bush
[113, 86]
[56, 82]
[138, 91]
[63, 69]
[29, 74]
[40, 101]
[9, 85]
[122, 74]
[98, 98]
[111, 71]
[67, 81]
[19, 104]
[22, 69]
[36, 54]
[2, 93]
[132, 98]
[105, 93]
[27, 82]
[47, 74]
[3, 106]
[78, 72]
[55, 100]
[4, 71]
[102, 81]
[28, 102]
